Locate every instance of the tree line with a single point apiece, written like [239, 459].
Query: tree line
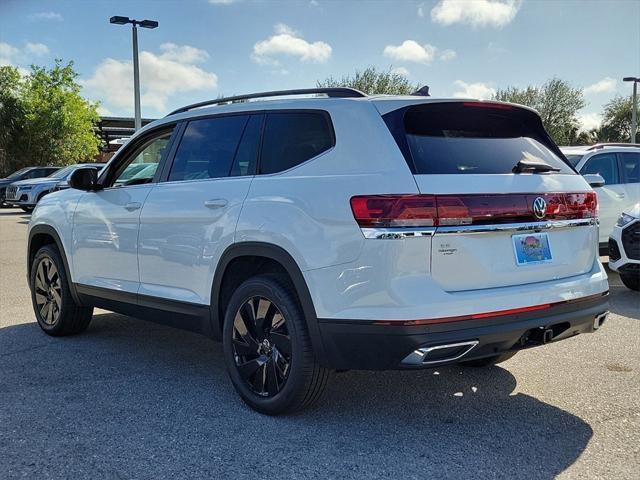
[556, 100]
[43, 118]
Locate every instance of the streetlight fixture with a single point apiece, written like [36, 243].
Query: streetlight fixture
[118, 20]
[634, 108]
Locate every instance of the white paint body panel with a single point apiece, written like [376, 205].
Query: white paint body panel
[181, 239]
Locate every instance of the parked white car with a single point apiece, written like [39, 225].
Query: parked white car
[624, 247]
[619, 166]
[329, 232]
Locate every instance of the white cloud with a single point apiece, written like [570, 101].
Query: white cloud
[411, 51]
[172, 71]
[607, 84]
[422, 10]
[288, 42]
[589, 121]
[314, 3]
[401, 71]
[46, 16]
[10, 55]
[223, 2]
[477, 13]
[481, 91]
[182, 53]
[446, 55]
[37, 49]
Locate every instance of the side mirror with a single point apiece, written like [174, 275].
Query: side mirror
[85, 178]
[594, 179]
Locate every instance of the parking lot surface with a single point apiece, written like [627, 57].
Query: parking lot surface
[131, 399]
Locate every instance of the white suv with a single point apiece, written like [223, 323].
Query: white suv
[331, 232]
[619, 166]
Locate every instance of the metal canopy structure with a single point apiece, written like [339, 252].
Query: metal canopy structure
[112, 128]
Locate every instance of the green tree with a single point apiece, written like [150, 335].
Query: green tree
[616, 121]
[557, 102]
[373, 81]
[48, 122]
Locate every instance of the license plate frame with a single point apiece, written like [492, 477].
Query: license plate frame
[532, 248]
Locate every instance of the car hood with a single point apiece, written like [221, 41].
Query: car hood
[633, 211]
[36, 181]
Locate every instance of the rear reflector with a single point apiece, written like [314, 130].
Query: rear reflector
[478, 209]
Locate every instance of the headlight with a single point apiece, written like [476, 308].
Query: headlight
[26, 188]
[624, 219]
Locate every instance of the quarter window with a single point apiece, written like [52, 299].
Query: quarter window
[291, 138]
[606, 165]
[207, 148]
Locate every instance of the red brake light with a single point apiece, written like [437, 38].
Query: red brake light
[472, 209]
[499, 106]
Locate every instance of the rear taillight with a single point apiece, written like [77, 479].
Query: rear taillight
[394, 210]
[473, 209]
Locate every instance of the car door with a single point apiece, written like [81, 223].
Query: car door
[106, 222]
[630, 168]
[189, 218]
[611, 196]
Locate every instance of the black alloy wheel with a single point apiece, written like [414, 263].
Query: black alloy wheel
[261, 346]
[48, 291]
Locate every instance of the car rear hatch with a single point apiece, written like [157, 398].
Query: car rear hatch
[507, 209]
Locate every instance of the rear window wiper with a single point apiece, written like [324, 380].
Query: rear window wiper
[531, 166]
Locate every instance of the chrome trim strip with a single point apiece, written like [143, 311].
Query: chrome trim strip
[417, 357]
[409, 232]
[398, 232]
[519, 227]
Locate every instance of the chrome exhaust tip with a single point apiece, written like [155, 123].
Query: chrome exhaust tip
[599, 320]
[429, 355]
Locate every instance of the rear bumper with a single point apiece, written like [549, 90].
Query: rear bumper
[366, 345]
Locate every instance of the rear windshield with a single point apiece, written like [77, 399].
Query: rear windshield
[448, 138]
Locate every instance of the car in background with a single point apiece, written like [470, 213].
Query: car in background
[27, 193]
[24, 174]
[619, 165]
[624, 248]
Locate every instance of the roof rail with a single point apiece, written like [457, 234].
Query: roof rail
[333, 92]
[602, 145]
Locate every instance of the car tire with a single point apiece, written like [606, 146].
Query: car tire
[631, 281]
[488, 361]
[27, 209]
[268, 350]
[56, 311]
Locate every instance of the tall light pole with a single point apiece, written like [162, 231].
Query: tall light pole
[136, 69]
[634, 107]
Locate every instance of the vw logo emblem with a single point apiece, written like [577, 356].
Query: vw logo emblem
[539, 207]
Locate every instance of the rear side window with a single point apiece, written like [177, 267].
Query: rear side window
[605, 165]
[291, 138]
[631, 165]
[456, 138]
[207, 148]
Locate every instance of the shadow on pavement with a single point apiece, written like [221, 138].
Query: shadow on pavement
[129, 399]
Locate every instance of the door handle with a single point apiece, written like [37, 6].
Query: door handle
[215, 203]
[131, 206]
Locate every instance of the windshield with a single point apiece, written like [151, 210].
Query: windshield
[63, 173]
[574, 159]
[18, 173]
[456, 138]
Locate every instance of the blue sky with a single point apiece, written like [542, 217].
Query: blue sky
[204, 48]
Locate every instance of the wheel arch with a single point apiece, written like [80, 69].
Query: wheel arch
[39, 236]
[281, 257]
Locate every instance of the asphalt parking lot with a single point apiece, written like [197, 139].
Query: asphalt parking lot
[130, 399]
